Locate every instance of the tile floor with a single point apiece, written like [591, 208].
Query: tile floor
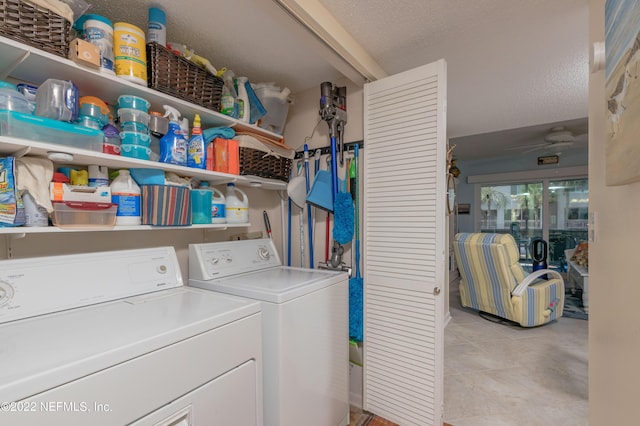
[499, 375]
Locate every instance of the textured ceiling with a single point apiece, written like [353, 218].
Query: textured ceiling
[511, 63]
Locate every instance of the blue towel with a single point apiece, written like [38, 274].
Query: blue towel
[218, 132]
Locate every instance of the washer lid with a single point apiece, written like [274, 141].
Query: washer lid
[46, 351]
[276, 285]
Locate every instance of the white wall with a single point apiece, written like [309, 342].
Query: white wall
[51, 244]
[303, 118]
[614, 327]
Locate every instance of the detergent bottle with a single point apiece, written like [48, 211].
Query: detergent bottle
[126, 193]
[218, 204]
[173, 145]
[237, 209]
[196, 151]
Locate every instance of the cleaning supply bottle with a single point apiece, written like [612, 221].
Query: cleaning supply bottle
[237, 209]
[244, 109]
[196, 151]
[173, 145]
[218, 210]
[229, 98]
[157, 26]
[125, 192]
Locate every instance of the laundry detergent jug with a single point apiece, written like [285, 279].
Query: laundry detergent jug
[236, 208]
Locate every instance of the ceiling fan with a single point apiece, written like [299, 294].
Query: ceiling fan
[555, 141]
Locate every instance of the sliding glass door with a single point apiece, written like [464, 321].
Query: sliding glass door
[555, 211]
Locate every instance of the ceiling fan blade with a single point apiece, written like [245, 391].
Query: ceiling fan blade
[535, 145]
[540, 147]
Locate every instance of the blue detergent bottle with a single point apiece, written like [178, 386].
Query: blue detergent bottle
[173, 145]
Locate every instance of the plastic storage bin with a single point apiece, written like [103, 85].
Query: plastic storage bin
[135, 102]
[77, 214]
[276, 102]
[135, 138]
[11, 99]
[135, 151]
[42, 129]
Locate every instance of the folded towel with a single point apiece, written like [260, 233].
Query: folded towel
[218, 132]
[34, 175]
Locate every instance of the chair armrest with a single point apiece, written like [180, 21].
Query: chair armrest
[520, 288]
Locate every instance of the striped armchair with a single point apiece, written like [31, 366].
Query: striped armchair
[493, 281]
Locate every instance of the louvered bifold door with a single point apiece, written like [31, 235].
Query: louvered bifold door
[403, 245]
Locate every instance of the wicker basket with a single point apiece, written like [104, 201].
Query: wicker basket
[259, 163]
[176, 76]
[34, 25]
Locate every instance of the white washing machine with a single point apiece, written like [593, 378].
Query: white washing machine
[305, 317]
[115, 338]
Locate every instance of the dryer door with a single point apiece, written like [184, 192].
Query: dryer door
[230, 399]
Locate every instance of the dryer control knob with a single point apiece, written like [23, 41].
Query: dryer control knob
[6, 292]
[162, 269]
[264, 253]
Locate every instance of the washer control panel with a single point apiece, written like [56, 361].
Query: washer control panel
[41, 285]
[219, 260]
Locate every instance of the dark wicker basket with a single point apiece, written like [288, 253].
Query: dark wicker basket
[259, 163]
[34, 25]
[176, 76]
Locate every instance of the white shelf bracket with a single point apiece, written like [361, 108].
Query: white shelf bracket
[22, 152]
[8, 242]
[7, 72]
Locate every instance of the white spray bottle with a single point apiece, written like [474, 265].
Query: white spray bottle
[173, 145]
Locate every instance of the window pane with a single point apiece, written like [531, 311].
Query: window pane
[569, 212]
[515, 209]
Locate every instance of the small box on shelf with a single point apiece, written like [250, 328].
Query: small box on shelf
[84, 53]
[223, 156]
[166, 205]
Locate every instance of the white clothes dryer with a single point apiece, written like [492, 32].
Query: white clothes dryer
[305, 317]
[115, 338]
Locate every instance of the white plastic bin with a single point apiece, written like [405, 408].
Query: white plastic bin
[276, 102]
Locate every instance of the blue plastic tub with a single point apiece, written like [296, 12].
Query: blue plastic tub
[135, 138]
[135, 151]
[130, 101]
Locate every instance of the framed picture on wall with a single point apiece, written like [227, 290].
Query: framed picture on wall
[464, 208]
[622, 91]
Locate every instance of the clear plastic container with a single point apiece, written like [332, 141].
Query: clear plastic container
[11, 99]
[78, 214]
[135, 138]
[132, 115]
[58, 100]
[95, 108]
[42, 129]
[135, 151]
[89, 122]
[112, 140]
[136, 102]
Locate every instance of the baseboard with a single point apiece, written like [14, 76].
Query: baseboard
[447, 319]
